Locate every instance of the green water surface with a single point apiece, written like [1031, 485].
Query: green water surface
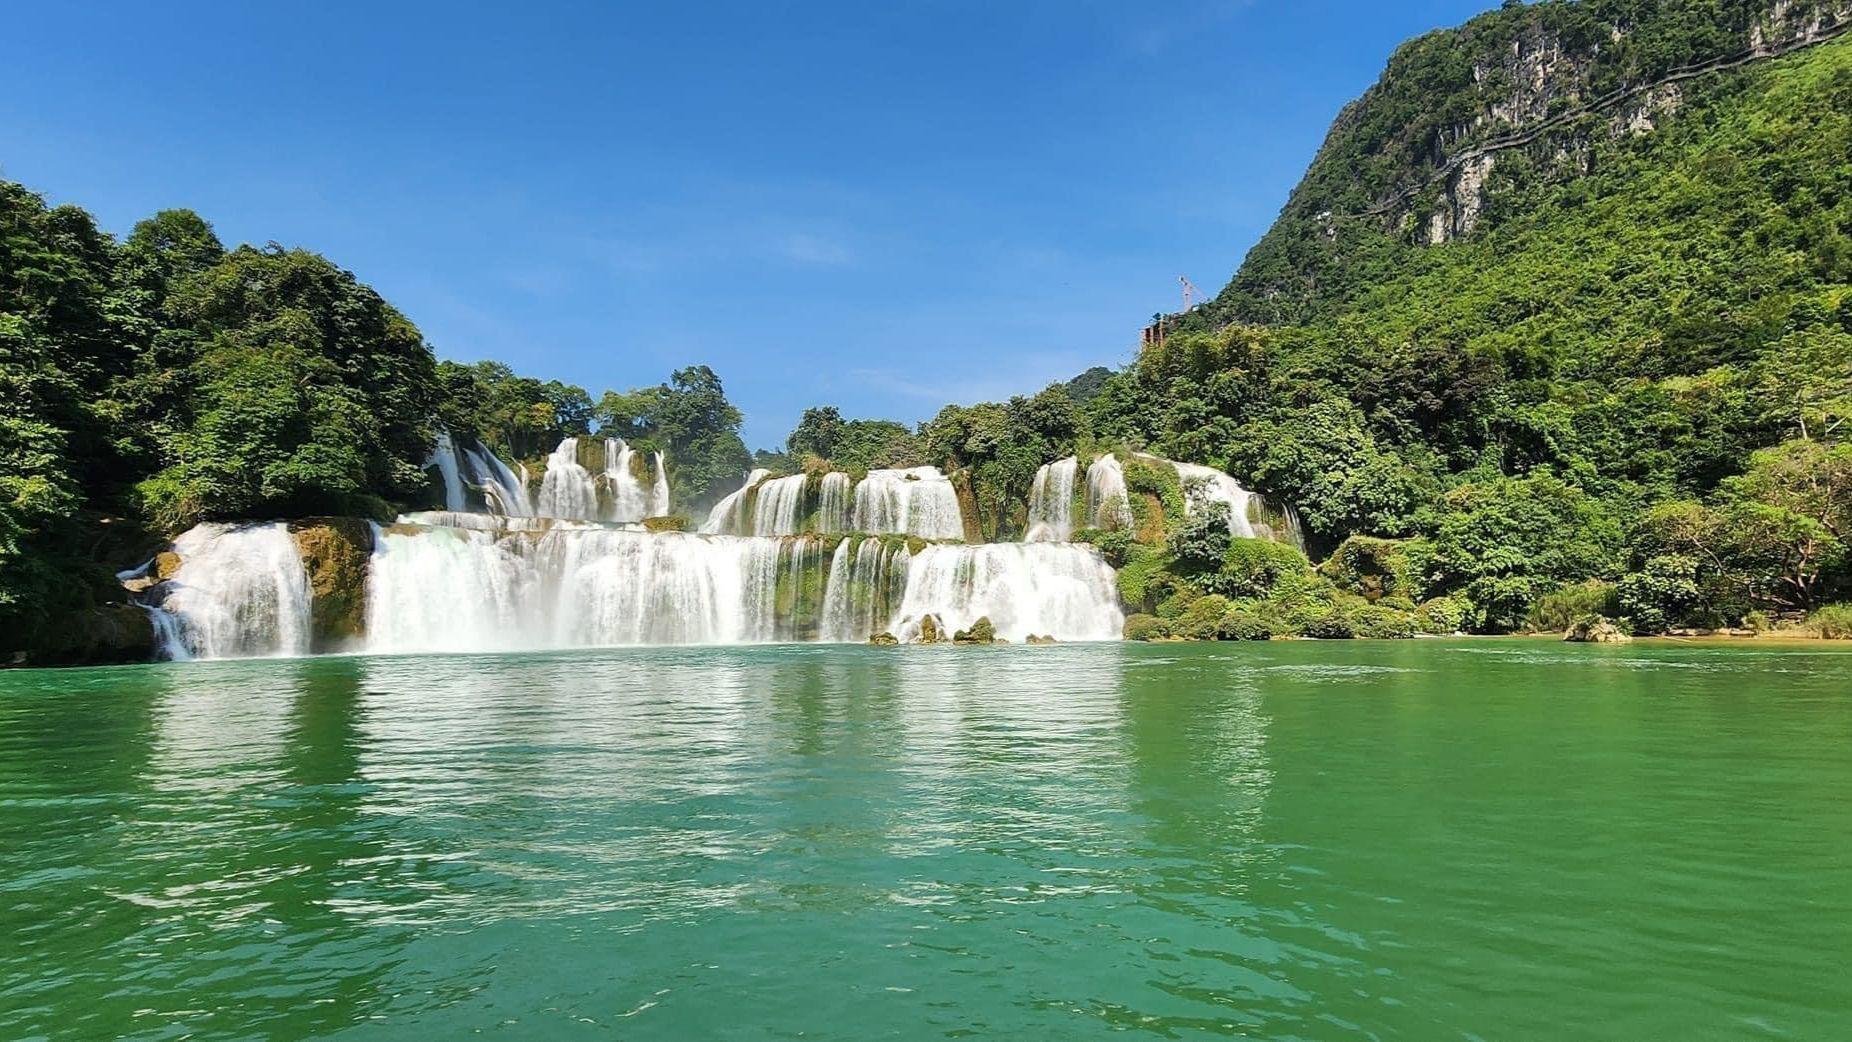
[1419, 840]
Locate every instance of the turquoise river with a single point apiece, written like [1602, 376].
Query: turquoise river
[1494, 839]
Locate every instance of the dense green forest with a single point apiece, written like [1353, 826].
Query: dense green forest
[1558, 324]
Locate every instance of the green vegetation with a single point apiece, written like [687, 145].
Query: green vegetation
[1624, 389]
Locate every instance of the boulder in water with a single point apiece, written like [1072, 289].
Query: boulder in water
[981, 632]
[931, 632]
[1596, 629]
[107, 634]
[884, 640]
[335, 555]
[1033, 639]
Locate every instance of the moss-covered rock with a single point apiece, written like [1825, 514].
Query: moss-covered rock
[884, 640]
[1372, 568]
[981, 632]
[1039, 641]
[335, 554]
[1596, 629]
[931, 631]
[674, 523]
[1331, 624]
[107, 634]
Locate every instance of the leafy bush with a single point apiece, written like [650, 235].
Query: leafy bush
[1200, 620]
[1331, 624]
[1380, 622]
[1255, 567]
[1247, 620]
[1146, 627]
[1443, 616]
[1565, 604]
[1833, 622]
[1657, 596]
[1372, 568]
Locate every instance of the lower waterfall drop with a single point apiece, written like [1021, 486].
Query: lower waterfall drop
[1063, 590]
[240, 592]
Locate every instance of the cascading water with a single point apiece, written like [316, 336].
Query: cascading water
[1109, 505]
[467, 468]
[779, 508]
[567, 489]
[1063, 590]
[1051, 502]
[444, 458]
[866, 580]
[240, 592]
[729, 516]
[1248, 518]
[442, 589]
[630, 501]
[833, 503]
[659, 492]
[916, 501]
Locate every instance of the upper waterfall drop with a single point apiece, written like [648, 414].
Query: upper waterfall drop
[833, 502]
[467, 469]
[779, 508]
[1109, 504]
[1248, 518]
[567, 489]
[912, 501]
[240, 592]
[730, 514]
[1051, 502]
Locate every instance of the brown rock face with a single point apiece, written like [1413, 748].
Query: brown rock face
[335, 552]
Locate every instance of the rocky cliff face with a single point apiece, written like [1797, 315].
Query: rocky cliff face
[1522, 94]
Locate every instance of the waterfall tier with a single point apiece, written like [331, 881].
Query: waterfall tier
[240, 592]
[1109, 505]
[915, 501]
[474, 479]
[1249, 514]
[1051, 502]
[621, 490]
[918, 501]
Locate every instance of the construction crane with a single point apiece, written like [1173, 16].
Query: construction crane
[1190, 293]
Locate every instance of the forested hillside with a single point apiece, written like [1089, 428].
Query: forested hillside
[1613, 342]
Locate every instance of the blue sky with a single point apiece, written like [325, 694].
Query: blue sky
[881, 206]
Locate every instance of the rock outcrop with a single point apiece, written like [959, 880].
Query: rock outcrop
[335, 554]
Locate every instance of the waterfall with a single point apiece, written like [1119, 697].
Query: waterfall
[630, 502]
[240, 592]
[1248, 515]
[1051, 502]
[472, 467]
[504, 490]
[441, 589]
[729, 515]
[659, 493]
[833, 503]
[866, 580]
[567, 489]
[779, 508]
[1062, 590]
[1108, 503]
[917, 501]
[444, 458]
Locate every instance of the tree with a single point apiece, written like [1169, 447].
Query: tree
[313, 394]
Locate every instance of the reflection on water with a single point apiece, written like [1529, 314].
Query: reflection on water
[1284, 840]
